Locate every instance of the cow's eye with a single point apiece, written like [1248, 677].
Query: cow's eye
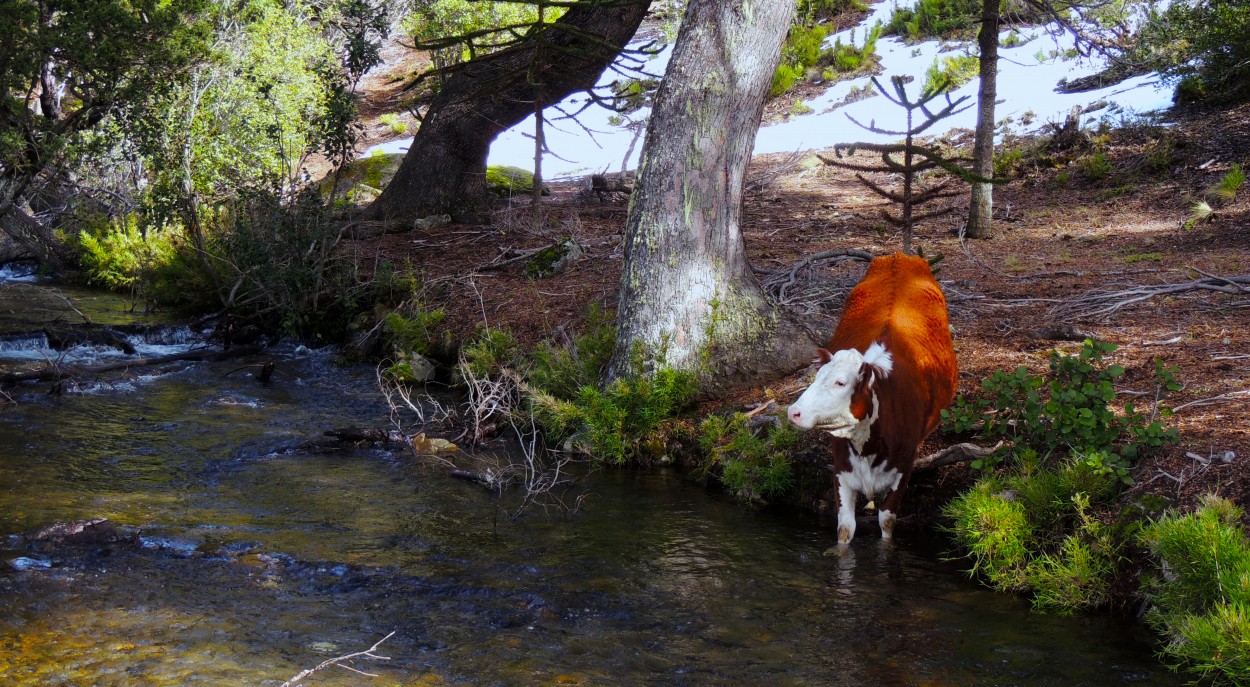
[839, 382]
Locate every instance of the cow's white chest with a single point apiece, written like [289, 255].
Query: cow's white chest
[868, 479]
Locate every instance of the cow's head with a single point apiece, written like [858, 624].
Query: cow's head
[842, 400]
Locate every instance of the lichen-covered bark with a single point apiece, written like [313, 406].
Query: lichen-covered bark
[980, 213]
[445, 168]
[688, 292]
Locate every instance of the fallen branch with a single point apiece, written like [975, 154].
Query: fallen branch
[792, 275]
[367, 653]
[1106, 302]
[1230, 396]
[55, 373]
[521, 255]
[959, 453]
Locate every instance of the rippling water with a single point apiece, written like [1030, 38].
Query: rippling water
[259, 557]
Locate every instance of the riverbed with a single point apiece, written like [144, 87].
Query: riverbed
[253, 551]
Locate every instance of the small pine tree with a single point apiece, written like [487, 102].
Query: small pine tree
[916, 158]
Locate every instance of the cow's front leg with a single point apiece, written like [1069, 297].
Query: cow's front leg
[888, 511]
[846, 512]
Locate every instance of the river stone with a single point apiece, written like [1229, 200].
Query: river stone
[183, 547]
[25, 563]
[422, 369]
[89, 532]
[424, 444]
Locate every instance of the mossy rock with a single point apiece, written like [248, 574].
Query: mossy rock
[554, 259]
[506, 181]
[362, 180]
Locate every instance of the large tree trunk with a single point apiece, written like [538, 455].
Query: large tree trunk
[981, 210]
[445, 169]
[35, 239]
[688, 295]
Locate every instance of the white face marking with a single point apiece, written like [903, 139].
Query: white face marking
[826, 404]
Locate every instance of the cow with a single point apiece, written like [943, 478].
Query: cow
[885, 377]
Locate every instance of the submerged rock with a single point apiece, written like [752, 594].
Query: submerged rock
[89, 532]
[26, 563]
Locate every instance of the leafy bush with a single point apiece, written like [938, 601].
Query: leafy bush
[412, 329]
[750, 464]
[490, 353]
[995, 531]
[1205, 39]
[118, 257]
[1069, 413]
[1201, 597]
[848, 58]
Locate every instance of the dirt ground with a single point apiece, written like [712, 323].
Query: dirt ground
[1055, 240]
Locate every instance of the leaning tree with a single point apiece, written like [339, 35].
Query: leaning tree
[688, 296]
[445, 168]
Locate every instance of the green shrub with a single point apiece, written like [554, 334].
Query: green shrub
[1225, 190]
[994, 529]
[784, 78]
[812, 11]
[949, 73]
[1008, 162]
[1161, 152]
[119, 257]
[1201, 597]
[1068, 413]
[391, 120]
[413, 330]
[1032, 530]
[1189, 90]
[1095, 166]
[633, 411]
[801, 50]
[934, 19]
[848, 58]
[489, 353]
[1078, 574]
[562, 370]
[751, 464]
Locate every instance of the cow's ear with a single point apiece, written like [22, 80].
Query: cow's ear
[822, 356]
[861, 398]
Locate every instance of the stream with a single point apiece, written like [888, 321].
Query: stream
[252, 554]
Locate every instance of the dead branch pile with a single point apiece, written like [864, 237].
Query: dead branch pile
[1107, 302]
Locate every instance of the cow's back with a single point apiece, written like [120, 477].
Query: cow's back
[900, 304]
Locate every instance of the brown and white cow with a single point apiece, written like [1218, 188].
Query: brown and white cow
[885, 377]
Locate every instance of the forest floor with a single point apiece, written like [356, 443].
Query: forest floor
[1059, 234]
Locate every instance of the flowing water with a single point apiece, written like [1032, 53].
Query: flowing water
[258, 555]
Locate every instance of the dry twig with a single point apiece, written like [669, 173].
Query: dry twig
[338, 661]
